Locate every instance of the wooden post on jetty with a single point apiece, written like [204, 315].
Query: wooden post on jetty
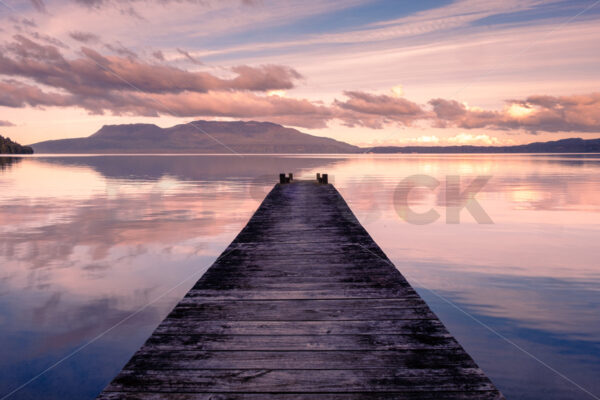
[286, 179]
[297, 308]
[323, 178]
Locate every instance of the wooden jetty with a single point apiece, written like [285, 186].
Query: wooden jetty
[302, 305]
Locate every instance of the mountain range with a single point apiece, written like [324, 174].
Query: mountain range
[251, 137]
[198, 137]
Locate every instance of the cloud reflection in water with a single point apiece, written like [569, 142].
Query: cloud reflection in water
[86, 240]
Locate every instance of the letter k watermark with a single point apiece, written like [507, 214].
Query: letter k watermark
[456, 200]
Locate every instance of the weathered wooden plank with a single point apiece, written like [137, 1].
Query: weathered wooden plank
[483, 395]
[364, 280]
[214, 311]
[194, 360]
[265, 284]
[304, 306]
[437, 395]
[300, 342]
[276, 269]
[384, 327]
[336, 292]
[308, 270]
[281, 380]
[306, 309]
[341, 261]
[239, 258]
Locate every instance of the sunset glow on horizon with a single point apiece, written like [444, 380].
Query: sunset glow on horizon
[368, 72]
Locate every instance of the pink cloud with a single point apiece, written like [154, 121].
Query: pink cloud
[574, 113]
[16, 94]
[189, 57]
[123, 84]
[38, 5]
[239, 104]
[96, 74]
[375, 111]
[84, 37]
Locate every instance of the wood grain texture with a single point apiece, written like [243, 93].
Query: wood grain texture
[448, 395]
[303, 304]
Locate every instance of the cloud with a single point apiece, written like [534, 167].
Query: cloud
[91, 3]
[121, 50]
[189, 57]
[376, 111]
[447, 110]
[39, 5]
[27, 50]
[397, 91]
[124, 84]
[574, 113]
[465, 138]
[84, 37]
[158, 55]
[16, 94]
[132, 12]
[96, 74]
[265, 77]
[420, 140]
[28, 22]
[239, 104]
[6, 123]
[433, 21]
[49, 39]
[562, 113]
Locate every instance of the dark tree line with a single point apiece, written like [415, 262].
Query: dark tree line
[7, 146]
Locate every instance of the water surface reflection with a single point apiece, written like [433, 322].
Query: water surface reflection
[85, 241]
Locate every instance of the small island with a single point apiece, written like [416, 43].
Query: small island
[7, 146]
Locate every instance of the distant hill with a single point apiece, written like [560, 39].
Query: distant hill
[575, 145]
[7, 146]
[261, 137]
[197, 137]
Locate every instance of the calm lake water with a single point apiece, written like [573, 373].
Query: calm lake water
[95, 251]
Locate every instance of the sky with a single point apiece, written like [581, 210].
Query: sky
[368, 72]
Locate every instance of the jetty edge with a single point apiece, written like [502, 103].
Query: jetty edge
[303, 304]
